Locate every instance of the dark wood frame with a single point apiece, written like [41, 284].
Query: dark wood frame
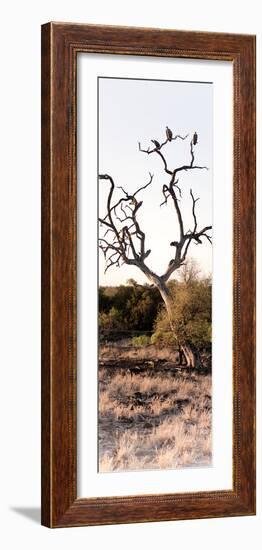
[60, 44]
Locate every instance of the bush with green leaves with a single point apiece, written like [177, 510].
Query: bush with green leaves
[125, 308]
[191, 316]
[142, 340]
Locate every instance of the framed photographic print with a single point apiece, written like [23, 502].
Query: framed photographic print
[148, 275]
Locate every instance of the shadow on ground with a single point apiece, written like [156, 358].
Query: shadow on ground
[33, 514]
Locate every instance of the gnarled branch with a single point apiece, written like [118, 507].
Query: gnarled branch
[124, 240]
[184, 167]
[120, 221]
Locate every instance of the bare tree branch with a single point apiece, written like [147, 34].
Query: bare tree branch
[127, 245]
[185, 240]
[158, 145]
[127, 239]
[175, 171]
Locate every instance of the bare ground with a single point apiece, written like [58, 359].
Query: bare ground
[152, 415]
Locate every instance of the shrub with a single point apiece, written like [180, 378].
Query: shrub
[191, 316]
[135, 307]
[142, 340]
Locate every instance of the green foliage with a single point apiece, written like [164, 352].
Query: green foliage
[191, 316]
[142, 340]
[139, 308]
[104, 301]
[128, 308]
[162, 335]
[111, 321]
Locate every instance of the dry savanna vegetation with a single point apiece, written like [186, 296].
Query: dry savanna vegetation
[154, 411]
[153, 418]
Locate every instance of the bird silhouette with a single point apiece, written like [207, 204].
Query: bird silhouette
[156, 143]
[195, 138]
[169, 134]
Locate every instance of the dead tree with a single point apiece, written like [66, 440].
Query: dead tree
[124, 242]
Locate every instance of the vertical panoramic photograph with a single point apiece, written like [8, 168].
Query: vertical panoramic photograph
[155, 153]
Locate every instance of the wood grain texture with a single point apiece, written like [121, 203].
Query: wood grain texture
[60, 44]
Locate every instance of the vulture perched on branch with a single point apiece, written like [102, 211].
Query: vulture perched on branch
[195, 138]
[169, 134]
[156, 143]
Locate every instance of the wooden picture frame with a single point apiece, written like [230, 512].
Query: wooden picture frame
[61, 42]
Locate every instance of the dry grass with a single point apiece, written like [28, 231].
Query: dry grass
[124, 383]
[154, 422]
[124, 352]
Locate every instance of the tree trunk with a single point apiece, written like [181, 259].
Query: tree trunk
[191, 355]
[188, 350]
[167, 298]
[164, 292]
[181, 355]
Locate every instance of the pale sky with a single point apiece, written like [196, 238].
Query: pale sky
[139, 110]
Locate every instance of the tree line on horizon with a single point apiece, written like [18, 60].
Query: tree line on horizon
[136, 311]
